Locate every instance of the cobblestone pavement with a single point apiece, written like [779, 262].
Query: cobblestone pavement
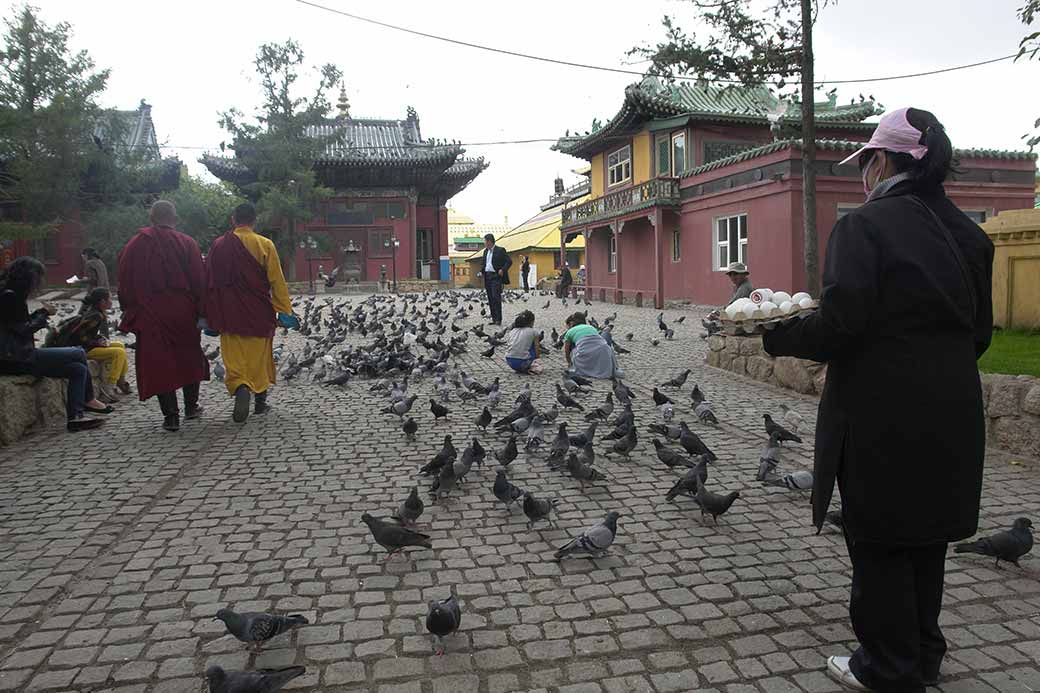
[118, 547]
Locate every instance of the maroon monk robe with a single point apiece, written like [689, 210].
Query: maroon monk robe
[238, 294]
[161, 292]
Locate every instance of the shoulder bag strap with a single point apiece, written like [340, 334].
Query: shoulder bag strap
[952, 243]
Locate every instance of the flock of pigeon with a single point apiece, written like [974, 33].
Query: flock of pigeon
[414, 338]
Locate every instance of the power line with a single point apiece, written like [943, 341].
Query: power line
[619, 70]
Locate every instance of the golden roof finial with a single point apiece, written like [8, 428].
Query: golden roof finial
[343, 104]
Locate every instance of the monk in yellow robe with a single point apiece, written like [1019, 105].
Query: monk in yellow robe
[245, 293]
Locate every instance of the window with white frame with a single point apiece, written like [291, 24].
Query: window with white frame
[731, 239]
[676, 247]
[664, 158]
[619, 166]
[678, 153]
[611, 254]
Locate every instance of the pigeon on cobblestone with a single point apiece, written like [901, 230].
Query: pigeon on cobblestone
[687, 486]
[1009, 545]
[401, 408]
[583, 472]
[670, 457]
[773, 427]
[714, 504]
[626, 445]
[508, 453]
[447, 454]
[537, 509]
[256, 627]
[692, 443]
[667, 411]
[445, 483]
[566, 401]
[393, 537]
[409, 427]
[603, 411]
[438, 410]
[702, 408]
[411, 508]
[259, 681]
[678, 381]
[594, 541]
[669, 431]
[504, 490]
[579, 440]
[443, 618]
[661, 398]
[798, 480]
[484, 419]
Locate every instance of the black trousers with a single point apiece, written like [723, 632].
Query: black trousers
[896, 599]
[493, 287]
[168, 400]
[525, 280]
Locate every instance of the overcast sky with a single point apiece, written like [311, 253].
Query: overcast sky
[193, 58]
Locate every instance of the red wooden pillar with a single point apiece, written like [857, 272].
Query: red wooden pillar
[619, 295]
[412, 241]
[656, 219]
[588, 264]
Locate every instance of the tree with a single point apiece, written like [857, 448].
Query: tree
[48, 116]
[768, 47]
[203, 212]
[1030, 45]
[278, 146]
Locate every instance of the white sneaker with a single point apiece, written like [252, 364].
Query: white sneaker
[838, 668]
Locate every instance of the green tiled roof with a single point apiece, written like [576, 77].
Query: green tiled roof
[845, 146]
[652, 99]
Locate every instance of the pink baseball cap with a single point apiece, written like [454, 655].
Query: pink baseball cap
[895, 134]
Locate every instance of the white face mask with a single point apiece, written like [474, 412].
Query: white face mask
[866, 174]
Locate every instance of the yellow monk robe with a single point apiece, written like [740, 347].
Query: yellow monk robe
[250, 360]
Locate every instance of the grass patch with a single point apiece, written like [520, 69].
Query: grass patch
[1012, 352]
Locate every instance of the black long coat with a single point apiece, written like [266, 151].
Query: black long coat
[900, 326]
[500, 260]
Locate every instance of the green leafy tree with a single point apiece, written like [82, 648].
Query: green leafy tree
[757, 44]
[278, 146]
[48, 116]
[203, 212]
[1029, 48]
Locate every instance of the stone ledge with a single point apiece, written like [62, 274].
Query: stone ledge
[1011, 402]
[29, 403]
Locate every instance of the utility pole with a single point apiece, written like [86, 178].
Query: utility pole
[812, 244]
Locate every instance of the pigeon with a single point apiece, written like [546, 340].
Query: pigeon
[508, 453]
[594, 541]
[504, 490]
[834, 518]
[402, 407]
[661, 398]
[256, 627]
[259, 681]
[1009, 545]
[625, 445]
[582, 472]
[714, 504]
[489, 352]
[447, 454]
[692, 443]
[702, 408]
[669, 456]
[484, 419]
[687, 486]
[438, 410]
[393, 537]
[772, 426]
[770, 457]
[443, 619]
[580, 379]
[566, 401]
[411, 508]
[798, 480]
[667, 411]
[669, 431]
[678, 381]
[445, 483]
[603, 411]
[409, 427]
[537, 509]
[218, 371]
[792, 420]
[579, 440]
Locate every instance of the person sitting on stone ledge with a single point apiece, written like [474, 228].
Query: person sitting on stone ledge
[89, 329]
[19, 355]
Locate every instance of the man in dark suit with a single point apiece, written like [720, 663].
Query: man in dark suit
[495, 266]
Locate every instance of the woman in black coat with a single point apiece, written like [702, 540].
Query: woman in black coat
[18, 352]
[904, 314]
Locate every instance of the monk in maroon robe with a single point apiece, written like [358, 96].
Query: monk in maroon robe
[161, 293]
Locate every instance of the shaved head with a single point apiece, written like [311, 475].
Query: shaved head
[163, 213]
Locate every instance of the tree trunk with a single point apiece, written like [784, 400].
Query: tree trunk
[812, 245]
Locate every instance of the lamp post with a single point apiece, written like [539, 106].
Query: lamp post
[394, 243]
[310, 245]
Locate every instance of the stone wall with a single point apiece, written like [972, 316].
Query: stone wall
[1011, 403]
[29, 403]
